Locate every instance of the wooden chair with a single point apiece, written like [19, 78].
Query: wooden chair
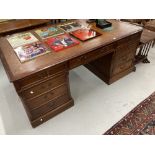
[146, 42]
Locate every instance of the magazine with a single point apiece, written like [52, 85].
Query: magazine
[21, 39]
[61, 42]
[30, 51]
[69, 27]
[49, 32]
[85, 34]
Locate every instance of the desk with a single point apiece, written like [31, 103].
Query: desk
[43, 83]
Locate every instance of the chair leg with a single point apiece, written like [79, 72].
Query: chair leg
[146, 51]
[153, 43]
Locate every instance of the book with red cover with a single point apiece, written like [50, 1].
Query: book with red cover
[85, 34]
[61, 42]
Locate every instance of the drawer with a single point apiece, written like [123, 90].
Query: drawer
[122, 66]
[124, 59]
[129, 40]
[126, 49]
[81, 60]
[135, 36]
[123, 41]
[29, 80]
[43, 87]
[44, 98]
[58, 68]
[51, 105]
[39, 76]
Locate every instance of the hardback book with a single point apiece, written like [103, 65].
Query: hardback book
[69, 27]
[61, 42]
[85, 34]
[49, 32]
[21, 39]
[30, 51]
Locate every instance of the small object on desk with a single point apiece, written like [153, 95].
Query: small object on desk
[85, 34]
[108, 29]
[69, 27]
[89, 21]
[61, 42]
[47, 32]
[102, 23]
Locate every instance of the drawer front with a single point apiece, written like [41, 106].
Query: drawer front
[51, 105]
[58, 68]
[122, 66]
[30, 79]
[124, 58]
[135, 36]
[43, 87]
[126, 49]
[37, 77]
[129, 40]
[43, 99]
[81, 60]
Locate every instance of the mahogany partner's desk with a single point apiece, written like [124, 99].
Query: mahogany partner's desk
[43, 83]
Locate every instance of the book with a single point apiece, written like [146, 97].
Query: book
[49, 32]
[61, 42]
[69, 27]
[21, 39]
[30, 51]
[85, 34]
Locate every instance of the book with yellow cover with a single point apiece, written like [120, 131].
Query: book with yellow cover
[21, 39]
[47, 32]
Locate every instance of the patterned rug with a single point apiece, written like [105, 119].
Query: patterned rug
[140, 121]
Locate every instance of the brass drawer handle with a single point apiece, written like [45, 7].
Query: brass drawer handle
[31, 92]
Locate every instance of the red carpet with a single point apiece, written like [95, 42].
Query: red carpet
[140, 121]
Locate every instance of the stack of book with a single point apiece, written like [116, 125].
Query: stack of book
[27, 46]
[56, 38]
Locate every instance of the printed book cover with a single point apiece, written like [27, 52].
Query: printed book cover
[21, 39]
[61, 42]
[30, 51]
[69, 27]
[49, 32]
[85, 34]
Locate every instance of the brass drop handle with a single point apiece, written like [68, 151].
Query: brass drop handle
[31, 92]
